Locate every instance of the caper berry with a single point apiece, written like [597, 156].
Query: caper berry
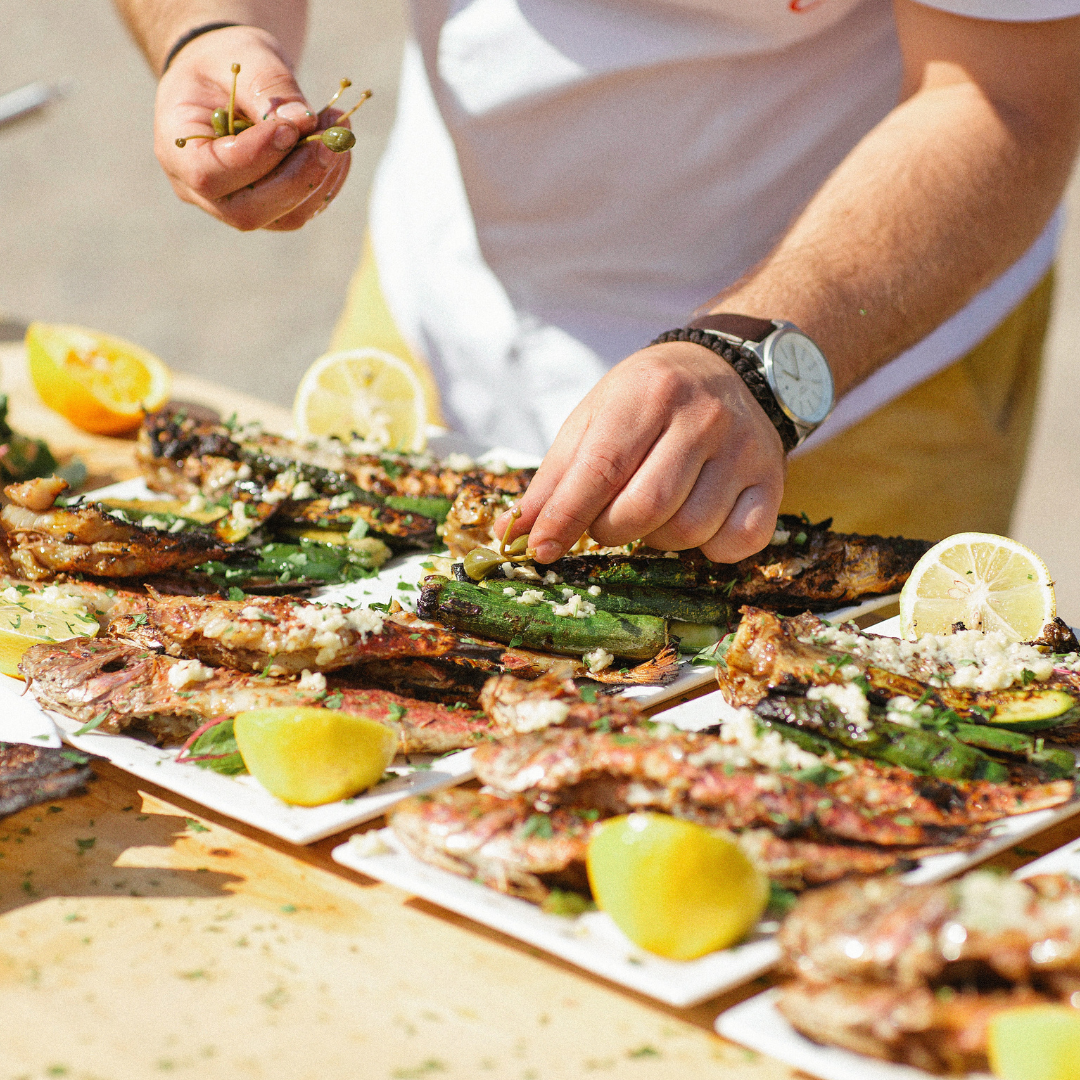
[480, 562]
[220, 121]
[519, 546]
[338, 139]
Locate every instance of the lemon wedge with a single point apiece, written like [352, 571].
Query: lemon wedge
[1035, 1042]
[309, 756]
[363, 393]
[100, 383]
[984, 581]
[677, 889]
[36, 618]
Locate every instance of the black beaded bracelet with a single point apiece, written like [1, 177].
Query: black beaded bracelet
[747, 370]
[190, 36]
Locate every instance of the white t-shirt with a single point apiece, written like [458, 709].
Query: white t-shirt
[566, 179]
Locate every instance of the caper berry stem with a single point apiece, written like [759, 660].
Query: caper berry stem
[182, 142]
[363, 97]
[232, 100]
[345, 84]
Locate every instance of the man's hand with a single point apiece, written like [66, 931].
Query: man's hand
[254, 180]
[669, 446]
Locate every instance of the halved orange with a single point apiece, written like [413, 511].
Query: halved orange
[100, 383]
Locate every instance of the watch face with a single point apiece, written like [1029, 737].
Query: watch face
[800, 377]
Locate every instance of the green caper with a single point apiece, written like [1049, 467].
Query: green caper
[338, 139]
[519, 546]
[480, 562]
[219, 118]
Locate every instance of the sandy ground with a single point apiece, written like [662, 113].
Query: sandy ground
[90, 233]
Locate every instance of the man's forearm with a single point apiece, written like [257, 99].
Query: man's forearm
[936, 202]
[157, 25]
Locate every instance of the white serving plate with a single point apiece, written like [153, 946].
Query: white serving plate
[758, 1024]
[591, 941]
[21, 719]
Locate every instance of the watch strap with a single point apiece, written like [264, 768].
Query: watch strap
[745, 327]
[748, 369]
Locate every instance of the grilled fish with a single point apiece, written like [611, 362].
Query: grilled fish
[914, 973]
[507, 844]
[284, 636]
[133, 691]
[700, 778]
[35, 774]
[44, 540]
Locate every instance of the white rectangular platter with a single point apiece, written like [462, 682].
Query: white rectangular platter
[592, 941]
[240, 797]
[758, 1024]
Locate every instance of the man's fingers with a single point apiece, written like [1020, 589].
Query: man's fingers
[748, 527]
[317, 201]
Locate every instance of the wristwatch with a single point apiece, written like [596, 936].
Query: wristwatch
[782, 367]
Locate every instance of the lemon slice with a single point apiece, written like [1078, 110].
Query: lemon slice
[34, 618]
[100, 383]
[364, 393]
[1035, 1042]
[678, 889]
[984, 581]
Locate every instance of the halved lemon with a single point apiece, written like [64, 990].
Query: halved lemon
[984, 581]
[364, 393]
[309, 756]
[100, 383]
[673, 887]
[29, 618]
[1035, 1042]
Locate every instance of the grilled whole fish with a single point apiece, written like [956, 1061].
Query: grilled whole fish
[824, 570]
[284, 636]
[903, 935]
[914, 973]
[45, 540]
[700, 778]
[151, 695]
[773, 654]
[35, 774]
[510, 846]
[935, 1032]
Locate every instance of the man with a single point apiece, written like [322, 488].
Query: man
[568, 180]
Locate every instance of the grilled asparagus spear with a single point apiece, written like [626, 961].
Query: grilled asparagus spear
[684, 606]
[489, 614]
[934, 753]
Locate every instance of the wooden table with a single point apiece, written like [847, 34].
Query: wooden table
[143, 936]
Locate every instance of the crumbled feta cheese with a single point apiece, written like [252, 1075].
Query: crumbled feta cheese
[179, 525]
[534, 714]
[511, 591]
[187, 673]
[907, 712]
[238, 515]
[595, 590]
[598, 659]
[315, 681]
[848, 698]
[459, 463]
[339, 502]
[551, 578]
[303, 490]
[195, 505]
[575, 608]
[497, 468]
[671, 554]
[780, 536]
[970, 659]
[744, 742]
[530, 597]
[151, 522]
